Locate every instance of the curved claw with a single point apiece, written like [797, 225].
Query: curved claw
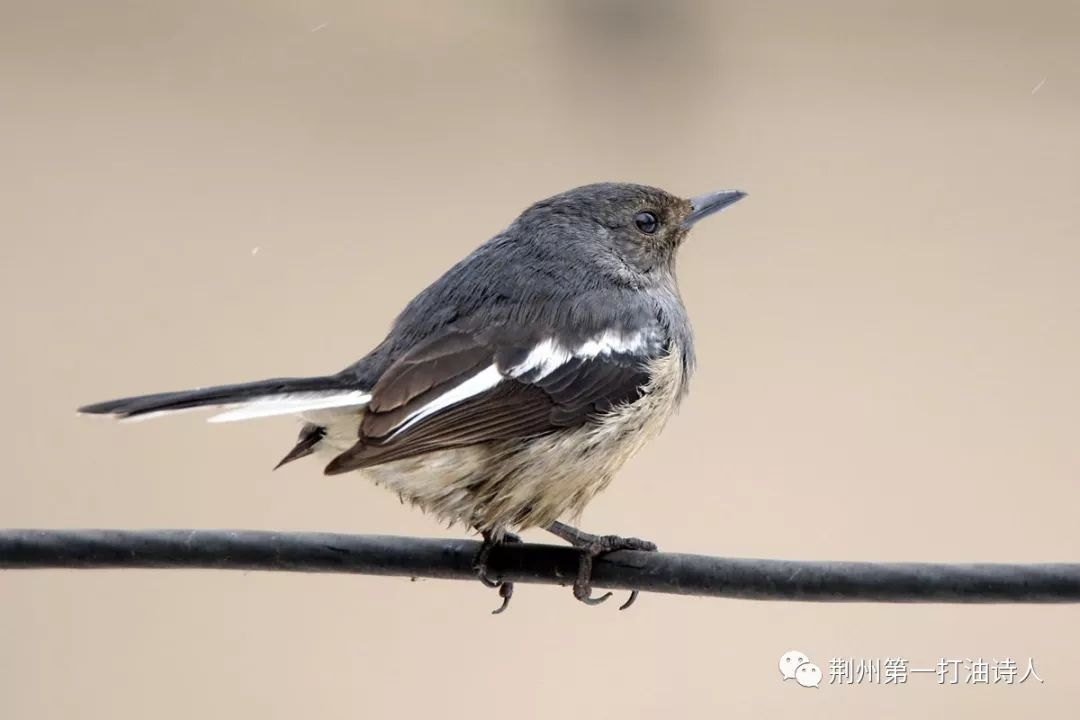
[596, 600]
[480, 566]
[487, 582]
[506, 591]
[585, 595]
[630, 600]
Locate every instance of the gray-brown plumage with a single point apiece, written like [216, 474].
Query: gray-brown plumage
[510, 391]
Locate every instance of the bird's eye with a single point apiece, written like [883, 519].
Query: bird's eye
[646, 222]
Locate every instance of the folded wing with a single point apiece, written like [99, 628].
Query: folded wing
[465, 388]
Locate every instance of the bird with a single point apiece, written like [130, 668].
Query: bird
[510, 391]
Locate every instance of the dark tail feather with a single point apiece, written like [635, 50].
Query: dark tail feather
[221, 395]
[310, 436]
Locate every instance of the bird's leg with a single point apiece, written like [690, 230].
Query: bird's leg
[480, 565]
[593, 546]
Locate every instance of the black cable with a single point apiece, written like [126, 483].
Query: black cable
[528, 563]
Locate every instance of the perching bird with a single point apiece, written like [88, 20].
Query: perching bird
[510, 391]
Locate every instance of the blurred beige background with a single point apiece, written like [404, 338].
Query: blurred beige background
[203, 192]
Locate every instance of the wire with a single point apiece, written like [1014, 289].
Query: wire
[528, 563]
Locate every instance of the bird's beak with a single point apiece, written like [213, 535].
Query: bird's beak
[704, 205]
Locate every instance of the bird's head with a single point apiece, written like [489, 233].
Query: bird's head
[639, 226]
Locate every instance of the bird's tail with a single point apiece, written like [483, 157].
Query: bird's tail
[280, 396]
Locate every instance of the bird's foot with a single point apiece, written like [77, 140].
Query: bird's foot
[591, 547]
[480, 565]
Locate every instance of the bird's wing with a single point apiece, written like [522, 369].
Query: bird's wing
[463, 388]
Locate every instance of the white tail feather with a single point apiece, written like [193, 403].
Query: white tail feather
[160, 413]
[293, 403]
